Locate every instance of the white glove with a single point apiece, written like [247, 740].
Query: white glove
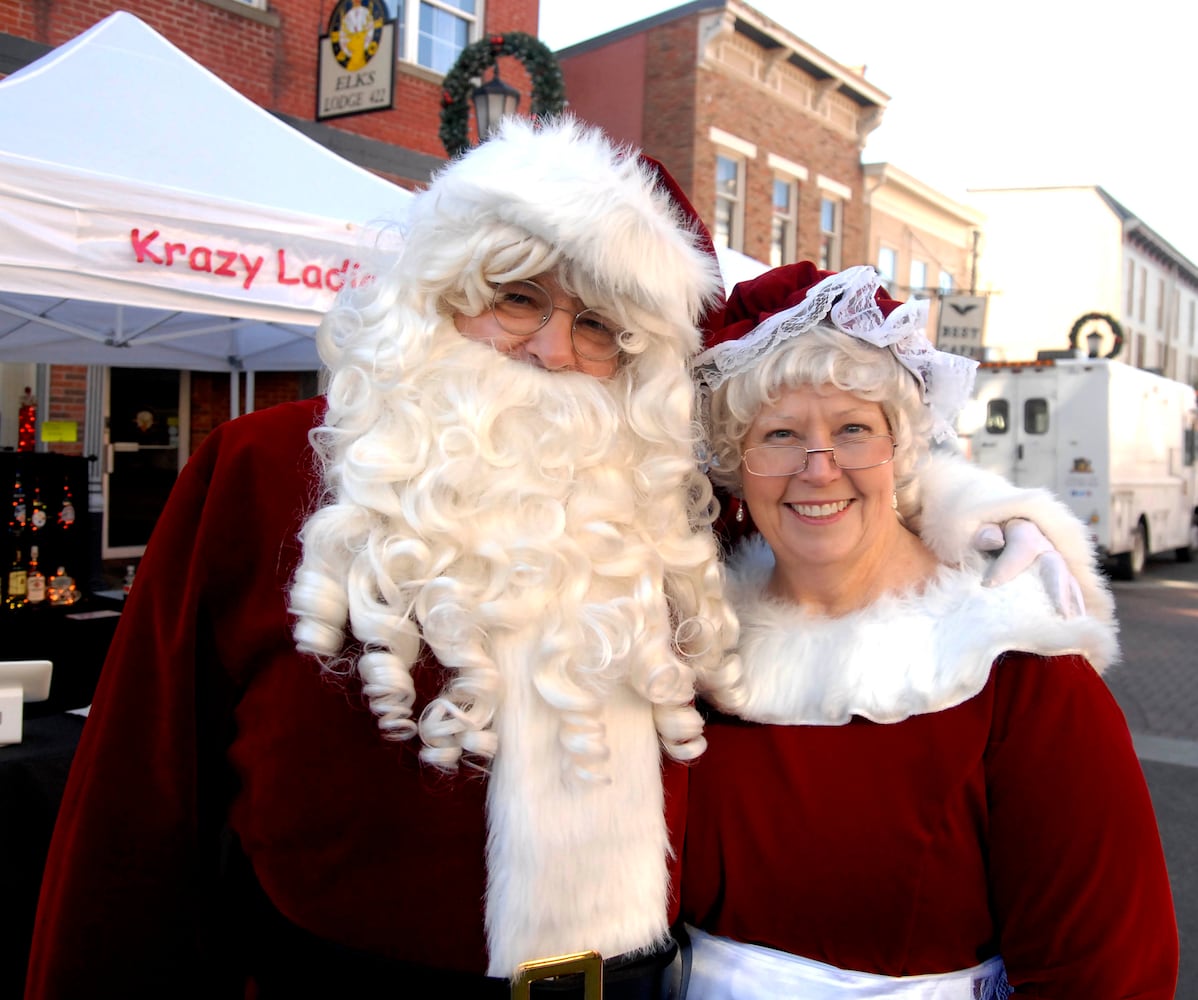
[1024, 545]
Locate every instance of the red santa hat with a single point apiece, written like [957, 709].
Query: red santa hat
[613, 212]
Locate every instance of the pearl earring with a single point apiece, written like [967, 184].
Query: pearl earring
[894, 499]
[740, 512]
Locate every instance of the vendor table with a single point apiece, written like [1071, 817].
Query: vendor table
[75, 639]
[33, 774]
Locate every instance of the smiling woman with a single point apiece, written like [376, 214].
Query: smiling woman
[818, 477]
[900, 719]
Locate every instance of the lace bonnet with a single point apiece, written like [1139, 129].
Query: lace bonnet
[784, 303]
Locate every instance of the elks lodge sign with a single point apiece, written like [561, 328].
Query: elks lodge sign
[357, 60]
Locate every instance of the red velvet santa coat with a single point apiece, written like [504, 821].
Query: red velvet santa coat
[207, 714]
[1015, 821]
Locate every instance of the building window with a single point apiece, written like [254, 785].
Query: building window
[1143, 293]
[831, 224]
[432, 33]
[784, 223]
[256, 4]
[1131, 286]
[729, 202]
[919, 278]
[1191, 322]
[888, 268]
[944, 282]
[783, 226]
[1160, 303]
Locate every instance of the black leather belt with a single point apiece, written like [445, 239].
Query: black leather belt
[644, 977]
[285, 961]
[322, 967]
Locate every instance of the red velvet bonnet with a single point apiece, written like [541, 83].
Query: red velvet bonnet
[753, 301]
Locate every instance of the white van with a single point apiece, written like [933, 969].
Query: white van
[1116, 443]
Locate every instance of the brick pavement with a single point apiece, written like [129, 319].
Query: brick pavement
[1156, 685]
[1157, 688]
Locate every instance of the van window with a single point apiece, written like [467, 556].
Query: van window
[1035, 416]
[1191, 445]
[998, 416]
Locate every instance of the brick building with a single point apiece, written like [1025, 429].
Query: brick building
[763, 130]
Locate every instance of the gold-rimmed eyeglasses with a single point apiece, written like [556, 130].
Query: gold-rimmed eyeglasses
[790, 459]
[521, 308]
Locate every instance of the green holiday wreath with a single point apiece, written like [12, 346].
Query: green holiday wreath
[548, 89]
[1112, 325]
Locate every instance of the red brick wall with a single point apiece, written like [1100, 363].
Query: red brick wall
[68, 401]
[670, 104]
[607, 97]
[776, 126]
[683, 101]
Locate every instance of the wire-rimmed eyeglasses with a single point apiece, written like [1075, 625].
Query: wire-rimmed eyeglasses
[523, 307]
[789, 459]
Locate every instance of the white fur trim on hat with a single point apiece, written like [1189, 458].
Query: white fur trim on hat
[598, 202]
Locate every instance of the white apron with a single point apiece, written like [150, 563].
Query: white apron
[723, 969]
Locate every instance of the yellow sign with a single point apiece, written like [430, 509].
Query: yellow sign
[60, 431]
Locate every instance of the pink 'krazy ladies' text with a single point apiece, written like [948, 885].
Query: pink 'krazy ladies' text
[152, 248]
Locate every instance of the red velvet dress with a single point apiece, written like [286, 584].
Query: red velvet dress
[207, 718]
[1016, 823]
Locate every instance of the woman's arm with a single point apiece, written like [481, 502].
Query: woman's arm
[957, 498]
[1078, 884]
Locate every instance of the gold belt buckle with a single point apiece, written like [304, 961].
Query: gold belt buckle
[589, 963]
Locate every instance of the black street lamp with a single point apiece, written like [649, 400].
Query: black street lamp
[493, 101]
[1093, 340]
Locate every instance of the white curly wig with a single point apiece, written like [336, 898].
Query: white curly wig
[496, 513]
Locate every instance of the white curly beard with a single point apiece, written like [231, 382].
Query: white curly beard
[549, 611]
[513, 521]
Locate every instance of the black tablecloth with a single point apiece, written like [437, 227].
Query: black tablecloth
[32, 776]
[75, 639]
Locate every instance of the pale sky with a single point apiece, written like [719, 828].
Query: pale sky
[1020, 94]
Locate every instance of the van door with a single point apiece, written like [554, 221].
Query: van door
[1034, 415]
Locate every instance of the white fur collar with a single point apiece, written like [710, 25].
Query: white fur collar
[570, 866]
[907, 654]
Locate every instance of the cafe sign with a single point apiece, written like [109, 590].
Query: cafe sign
[357, 60]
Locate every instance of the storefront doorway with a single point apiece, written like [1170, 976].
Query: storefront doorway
[146, 431]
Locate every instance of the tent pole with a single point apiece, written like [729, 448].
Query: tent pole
[234, 394]
[249, 391]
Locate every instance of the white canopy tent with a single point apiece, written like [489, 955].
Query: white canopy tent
[152, 217]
